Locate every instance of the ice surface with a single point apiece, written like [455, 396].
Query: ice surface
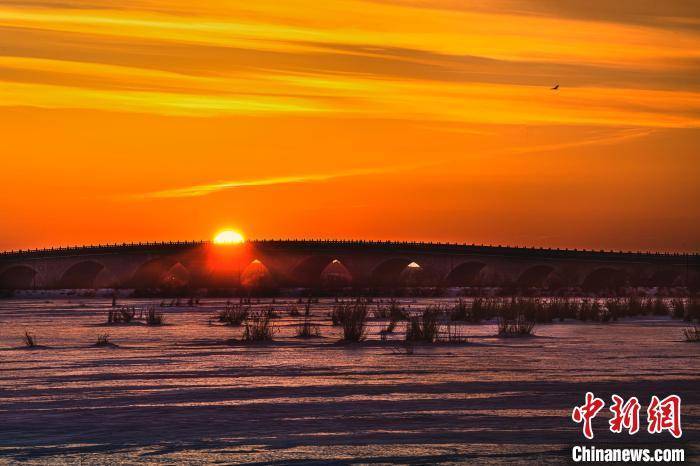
[181, 393]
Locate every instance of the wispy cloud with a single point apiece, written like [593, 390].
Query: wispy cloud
[398, 59]
[619, 136]
[211, 188]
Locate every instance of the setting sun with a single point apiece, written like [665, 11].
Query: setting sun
[228, 237]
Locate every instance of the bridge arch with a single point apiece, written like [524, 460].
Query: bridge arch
[176, 276]
[538, 276]
[336, 275]
[257, 276]
[18, 277]
[465, 274]
[397, 271]
[604, 278]
[81, 275]
[666, 278]
[160, 272]
[321, 270]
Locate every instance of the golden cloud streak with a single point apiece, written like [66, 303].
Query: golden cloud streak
[624, 135]
[300, 72]
[211, 188]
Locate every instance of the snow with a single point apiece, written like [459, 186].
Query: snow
[182, 392]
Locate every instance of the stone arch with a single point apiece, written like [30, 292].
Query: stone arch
[396, 271]
[81, 275]
[18, 277]
[604, 278]
[336, 275]
[151, 273]
[308, 271]
[176, 276]
[535, 277]
[465, 274]
[256, 276]
[320, 270]
[665, 278]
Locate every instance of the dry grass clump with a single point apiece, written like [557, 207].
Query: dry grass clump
[29, 339]
[635, 306]
[479, 310]
[353, 318]
[658, 307]
[542, 310]
[391, 326]
[381, 312]
[385, 332]
[453, 334]
[677, 306]
[460, 311]
[153, 317]
[536, 310]
[588, 310]
[539, 310]
[692, 333]
[103, 340]
[424, 327]
[595, 310]
[308, 329]
[692, 310]
[122, 315]
[563, 308]
[127, 314]
[518, 326]
[392, 311]
[258, 327]
[687, 309]
[404, 348]
[234, 314]
[614, 309]
[432, 326]
[173, 303]
[516, 318]
[335, 315]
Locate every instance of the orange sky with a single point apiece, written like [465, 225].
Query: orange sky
[430, 120]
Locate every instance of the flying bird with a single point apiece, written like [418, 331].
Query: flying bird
[556, 87]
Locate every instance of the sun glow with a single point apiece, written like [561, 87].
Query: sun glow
[228, 237]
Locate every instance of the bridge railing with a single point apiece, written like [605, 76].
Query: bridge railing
[429, 244]
[103, 247]
[310, 243]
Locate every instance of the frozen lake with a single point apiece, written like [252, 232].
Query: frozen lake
[180, 393]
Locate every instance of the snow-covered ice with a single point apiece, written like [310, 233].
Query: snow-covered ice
[183, 393]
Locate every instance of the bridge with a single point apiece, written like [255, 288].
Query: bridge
[327, 263]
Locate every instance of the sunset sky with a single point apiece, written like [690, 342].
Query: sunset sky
[432, 120]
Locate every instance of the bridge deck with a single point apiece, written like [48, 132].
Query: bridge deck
[392, 246]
